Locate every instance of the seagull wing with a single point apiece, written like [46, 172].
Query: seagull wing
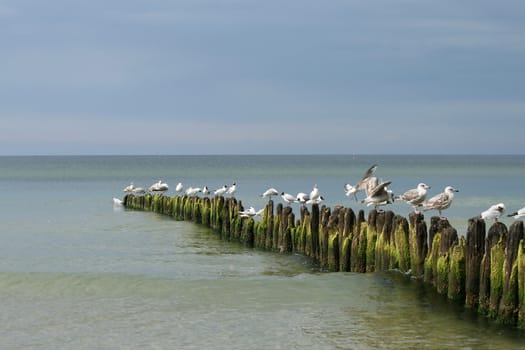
[377, 190]
[410, 195]
[441, 200]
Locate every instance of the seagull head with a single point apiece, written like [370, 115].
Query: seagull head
[423, 186]
[450, 189]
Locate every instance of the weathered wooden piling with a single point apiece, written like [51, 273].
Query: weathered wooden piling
[486, 272]
[418, 243]
[474, 252]
[491, 279]
[508, 308]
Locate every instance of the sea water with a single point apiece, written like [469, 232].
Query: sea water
[77, 272]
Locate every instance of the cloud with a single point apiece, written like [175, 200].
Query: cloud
[261, 77]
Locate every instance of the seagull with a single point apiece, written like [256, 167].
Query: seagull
[378, 194]
[191, 191]
[232, 189]
[318, 200]
[494, 212]
[159, 187]
[220, 191]
[361, 185]
[179, 187]
[518, 214]
[269, 193]
[139, 190]
[128, 188]
[415, 196]
[250, 212]
[315, 193]
[288, 198]
[349, 190]
[117, 201]
[440, 201]
[205, 190]
[302, 197]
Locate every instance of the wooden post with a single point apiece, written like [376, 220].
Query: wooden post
[491, 277]
[314, 229]
[418, 243]
[521, 282]
[508, 308]
[358, 253]
[474, 252]
[457, 275]
[375, 220]
[323, 237]
[401, 244]
[346, 239]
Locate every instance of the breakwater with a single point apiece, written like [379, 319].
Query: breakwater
[483, 270]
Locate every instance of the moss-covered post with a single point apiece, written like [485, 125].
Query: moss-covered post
[324, 231]
[206, 209]
[521, 283]
[437, 263]
[247, 233]
[299, 232]
[272, 231]
[456, 276]
[284, 241]
[358, 253]
[449, 239]
[375, 222]
[508, 308]
[335, 228]
[474, 252]
[314, 229]
[418, 243]
[401, 244]
[384, 242]
[491, 278]
[345, 239]
[306, 234]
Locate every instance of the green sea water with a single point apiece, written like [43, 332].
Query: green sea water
[77, 272]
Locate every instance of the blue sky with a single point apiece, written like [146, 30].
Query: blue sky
[262, 77]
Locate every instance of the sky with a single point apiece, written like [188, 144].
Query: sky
[262, 77]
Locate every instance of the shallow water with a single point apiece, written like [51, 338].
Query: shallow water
[75, 272]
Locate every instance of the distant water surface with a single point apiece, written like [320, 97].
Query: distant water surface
[75, 272]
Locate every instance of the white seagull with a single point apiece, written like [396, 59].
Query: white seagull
[288, 198]
[159, 187]
[221, 190]
[315, 193]
[139, 190]
[415, 196]
[205, 190]
[302, 197]
[179, 187]
[517, 214]
[494, 212]
[192, 191]
[269, 193]
[232, 189]
[128, 188]
[250, 212]
[117, 201]
[440, 201]
[362, 184]
[318, 200]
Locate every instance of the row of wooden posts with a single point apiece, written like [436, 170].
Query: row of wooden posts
[485, 271]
